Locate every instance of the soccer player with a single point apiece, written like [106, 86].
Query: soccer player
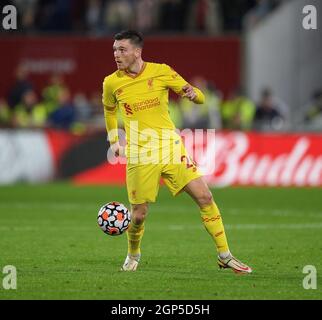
[140, 90]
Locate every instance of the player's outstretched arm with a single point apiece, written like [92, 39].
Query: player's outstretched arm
[180, 86]
[193, 94]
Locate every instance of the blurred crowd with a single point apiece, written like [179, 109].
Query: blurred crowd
[55, 107]
[101, 17]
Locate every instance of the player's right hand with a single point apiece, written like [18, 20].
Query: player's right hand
[117, 149]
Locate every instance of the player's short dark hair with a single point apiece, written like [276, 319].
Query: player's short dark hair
[134, 36]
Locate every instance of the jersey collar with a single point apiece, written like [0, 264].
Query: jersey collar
[138, 74]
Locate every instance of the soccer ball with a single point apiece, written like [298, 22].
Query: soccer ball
[114, 218]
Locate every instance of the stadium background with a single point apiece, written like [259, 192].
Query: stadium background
[262, 74]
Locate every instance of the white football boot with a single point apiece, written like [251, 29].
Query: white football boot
[131, 262]
[232, 263]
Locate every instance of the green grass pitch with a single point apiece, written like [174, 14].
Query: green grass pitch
[50, 233]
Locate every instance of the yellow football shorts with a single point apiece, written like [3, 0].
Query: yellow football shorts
[143, 180]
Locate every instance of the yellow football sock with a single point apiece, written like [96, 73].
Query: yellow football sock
[134, 237]
[212, 221]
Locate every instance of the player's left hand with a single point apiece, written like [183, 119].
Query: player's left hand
[189, 92]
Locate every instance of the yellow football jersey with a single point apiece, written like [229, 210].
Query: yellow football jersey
[143, 102]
